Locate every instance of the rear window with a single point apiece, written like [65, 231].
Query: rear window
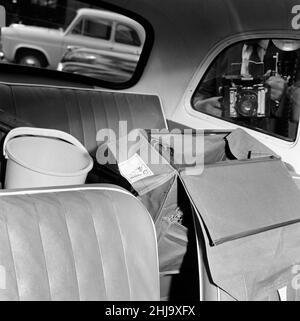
[127, 35]
[254, 83]
[73, 37]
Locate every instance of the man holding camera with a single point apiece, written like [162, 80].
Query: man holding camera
[255, 58]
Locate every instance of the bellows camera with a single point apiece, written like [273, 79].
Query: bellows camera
[245, 97]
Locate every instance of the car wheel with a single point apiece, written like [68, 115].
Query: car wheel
[31, 59]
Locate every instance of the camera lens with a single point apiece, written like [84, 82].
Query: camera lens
[247, 104]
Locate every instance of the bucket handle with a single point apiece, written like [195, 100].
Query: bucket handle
[43, 132]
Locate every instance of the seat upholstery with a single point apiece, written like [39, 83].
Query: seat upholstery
[81, 112]
[93, 242]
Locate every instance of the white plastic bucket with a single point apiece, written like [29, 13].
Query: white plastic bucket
[38, 157]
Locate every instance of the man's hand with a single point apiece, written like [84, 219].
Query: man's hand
[211, 106]
[277, 84]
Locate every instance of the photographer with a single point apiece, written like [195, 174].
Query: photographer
[255, 58]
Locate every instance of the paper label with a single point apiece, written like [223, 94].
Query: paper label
[134, 169]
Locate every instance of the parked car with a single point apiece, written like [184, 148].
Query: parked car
[109, 66]
[110, 32]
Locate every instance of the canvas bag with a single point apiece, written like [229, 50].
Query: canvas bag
[158, 190]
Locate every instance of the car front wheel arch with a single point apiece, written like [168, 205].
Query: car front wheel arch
[31, 57]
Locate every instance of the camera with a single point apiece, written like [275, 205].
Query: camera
[245, 97]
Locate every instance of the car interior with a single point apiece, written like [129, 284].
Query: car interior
[82, 112]
[107, 239]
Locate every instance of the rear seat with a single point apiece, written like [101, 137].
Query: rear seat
[81, 112]
[92, 242]
[54, 245]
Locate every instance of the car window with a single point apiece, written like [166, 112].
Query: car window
[127, 35]
[256, 84]
[97, 28]
[74, 37]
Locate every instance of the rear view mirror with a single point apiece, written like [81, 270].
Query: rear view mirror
[2, 17]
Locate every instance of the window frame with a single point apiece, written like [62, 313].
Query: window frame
[73, 26]
[206, 62]
[82, 20]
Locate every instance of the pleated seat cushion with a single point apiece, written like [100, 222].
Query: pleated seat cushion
[81, 112]
[93, 242]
